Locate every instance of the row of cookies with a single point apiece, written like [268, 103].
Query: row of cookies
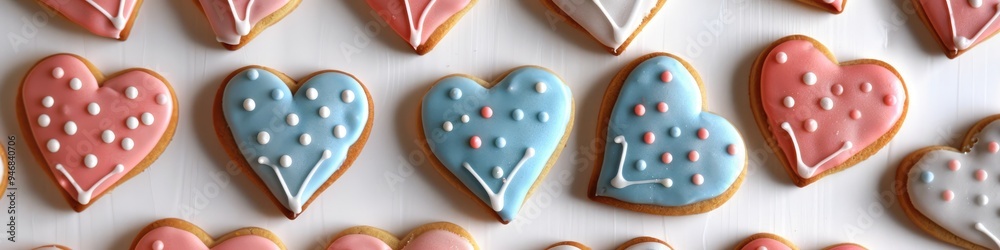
[958, 25]
[179, 234]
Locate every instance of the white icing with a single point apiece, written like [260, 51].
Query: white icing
[564, 247]
[70, 128]
[249, 104]
[324, 112]
[809, 78]
[83, 196]
[131, 122]
[976, 3]
[158, 245]
[465, 118]
[93, 108]
[540, 87]
[447, 126]
[312, 93]
[347, 96]
[826, 103]
[75, 83]
[595, 16]
[147, 118]
[962, 42]
[981, 228]
[131, 93]
[263, 137]
[292, 119]
[339, 131]
[648, 245]
[802, 169]
[620, 182]
[108, 136]
[118, 21]
[127, 144]
[305, 139]
[497, 199]
[52, 145]
[48, 102]
[162, 99]
[44, 120]
[90, 160]
[781, 57]
[285, 161]
[789, 102]
[58, 72]
[417, 30]
[243, 26]
[294, 202]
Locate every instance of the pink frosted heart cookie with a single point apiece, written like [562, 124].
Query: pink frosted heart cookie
[423, 23]
[438, 235]
[959, 25]
[177, 234]
[766, 241]
[107, 18]
[833, 6]
[821, 116]
[236, 22]
[89, 132]
[613, 23]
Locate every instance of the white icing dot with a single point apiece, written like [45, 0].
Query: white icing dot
[131, 122]
[108, 136]
[70, 128]
[826, 103]
[75, 83]
[162, 99]
[447, 126]
[292, 119]
[540, 87]
[90, 160]
[58, 72]
[48, 101]
[249, 104]
[982, 200]
[147, 118]
[52, 145]
[789, 102]
[312, 93]
[127, 144]
[277, 94]
[285, 161]
[305, 139]
[809, 78]
[497, 172]
[43, 120]
[667, 182]
[252, 74]
[782, 57]
[465, 118]
[973, 3]
[93, 108]
[339, 131]
[324, 112]
[263, 137]
[158, 245]
[347, 96]
[131, 92]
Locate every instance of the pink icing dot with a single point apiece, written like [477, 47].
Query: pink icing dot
[640, 110]
[855, 114]
[667, 158]
[994, 147]
[693, 156]
[731, 149]
[475, 142]
[954, 165]
[837, 89]
[866, 87]
[667, 76]
[947, 195]
[697, 179]
[487, 112]
[889, 100]
[981, 175]
[649, 138]
[702, 133]
[662, 107]
[810, 125]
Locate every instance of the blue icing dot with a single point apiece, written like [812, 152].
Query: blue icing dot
[517, 114]
[675, 132]
[252, 74]
[501, 142]
[455, 94]
[543, 117]
[277, 94]
[640, 165]
[926, 177]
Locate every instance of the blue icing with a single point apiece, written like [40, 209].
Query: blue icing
[652, 181]
[511, 137]
[304, 144]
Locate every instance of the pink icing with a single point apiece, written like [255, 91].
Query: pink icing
[834, 123]
[358, 241]
[969, 20]
[224, 24]
[170, 238]
[438, 239]
[115, 109]
[395, 14]
[836, 4]
[770, 244]
[86, 15]
[846, 247]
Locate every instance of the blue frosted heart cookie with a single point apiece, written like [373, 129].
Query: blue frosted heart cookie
[662, 152]
[294, 139]
[497, 140]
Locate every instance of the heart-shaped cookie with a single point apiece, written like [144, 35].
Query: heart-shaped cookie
[236, 22]
[52, 247]
[177, 234]
[640, 243]
[766, 241]
[107, 18]
[294, 139]
[820, 116]
[833, 6]
[423, 23]
[612, 23]
[959, 25]
[89, 132]
[497, 140]
[438, 235]
[951, 192]
[661, 152]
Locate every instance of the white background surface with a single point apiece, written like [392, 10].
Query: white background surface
[392, 186]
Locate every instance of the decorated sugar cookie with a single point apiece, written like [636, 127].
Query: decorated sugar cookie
[766, 241]
[821, 116]
[640, 243]
[293, 139]
[90, 132]
[959, 25]
[422, 23]
[236, 22]
[951, 192]
[170, 234]
[663, 153]
[438, 235]
[496, 141]
[613, 23]
[568, 245]
[107, 18]
[833, 6]
[52, 247]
